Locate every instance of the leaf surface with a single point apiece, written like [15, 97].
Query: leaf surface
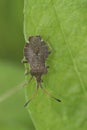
[63, 24]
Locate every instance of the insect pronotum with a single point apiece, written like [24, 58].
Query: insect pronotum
[36, 52]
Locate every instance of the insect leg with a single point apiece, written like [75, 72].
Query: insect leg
[46, 92]
[30, 79]
[33, 95]
[24, 61]
[26, 73]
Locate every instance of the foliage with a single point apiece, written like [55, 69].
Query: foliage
[63, 24]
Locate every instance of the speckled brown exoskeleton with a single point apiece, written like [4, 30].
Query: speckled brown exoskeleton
[36, 51]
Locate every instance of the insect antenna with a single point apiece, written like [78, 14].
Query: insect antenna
[46, 92]
[33, 95]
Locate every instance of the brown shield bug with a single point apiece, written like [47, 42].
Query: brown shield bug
[36, 52]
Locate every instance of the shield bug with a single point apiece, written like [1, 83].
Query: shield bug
[36, 51]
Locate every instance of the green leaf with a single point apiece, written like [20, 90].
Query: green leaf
[63, 24]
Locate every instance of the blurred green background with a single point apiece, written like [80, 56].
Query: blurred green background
[12, 113]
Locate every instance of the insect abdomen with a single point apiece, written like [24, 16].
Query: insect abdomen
[37, 67]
